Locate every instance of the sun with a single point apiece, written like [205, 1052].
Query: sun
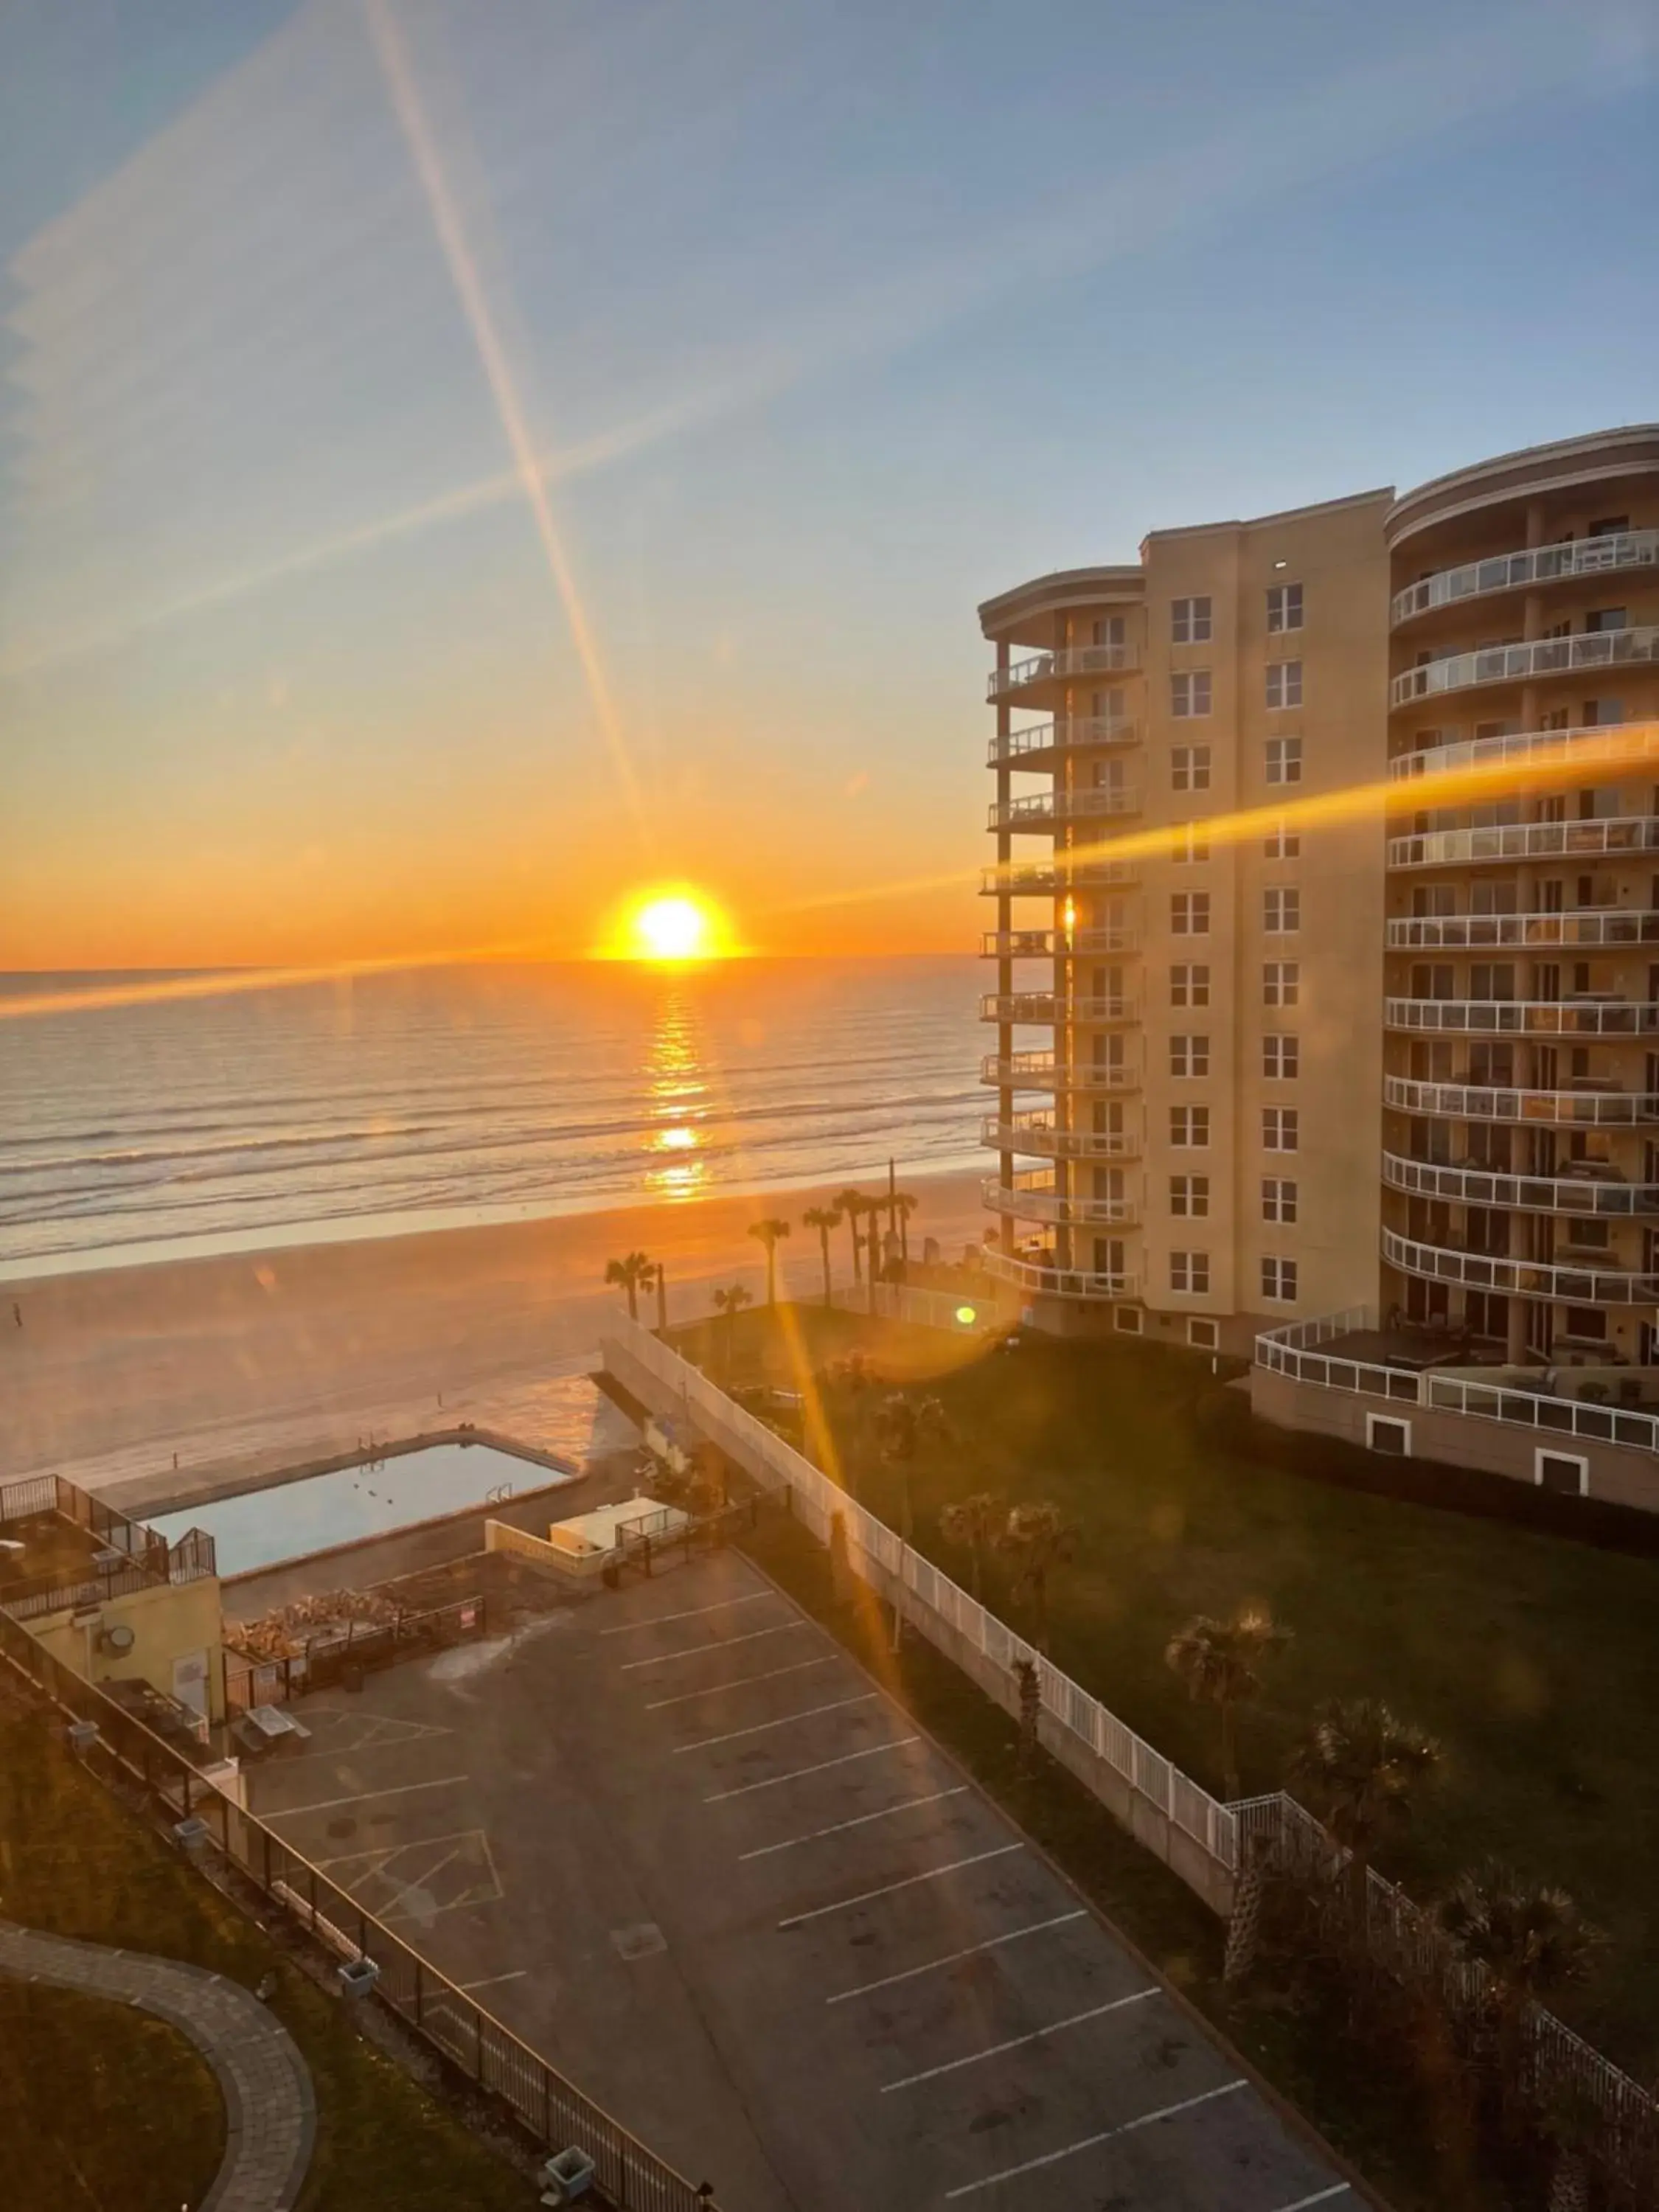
[669, 925]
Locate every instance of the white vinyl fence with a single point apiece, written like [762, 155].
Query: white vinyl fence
[1196, 1836]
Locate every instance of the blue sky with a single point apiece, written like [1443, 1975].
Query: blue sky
[822, 325]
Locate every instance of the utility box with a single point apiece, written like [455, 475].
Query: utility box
[568, 2177]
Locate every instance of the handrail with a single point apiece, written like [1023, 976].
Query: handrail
[1537, 564]
[1595, 745]
[1519, 663]
[1533, 1279]
[1588, 1194]
[1034, 1132]
[1052, 878]
[1063, 735]
[1522, 1016]
[1040, 1070]
[1521, 841]
[1043, 1007]
[1478, 1101]
[1073, 660]
[1584, 926]
[1034, 1204]
[1038, 810]
[1057, 944]
[1050, 1281]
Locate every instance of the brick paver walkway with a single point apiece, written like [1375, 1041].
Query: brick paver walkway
[270, 2115]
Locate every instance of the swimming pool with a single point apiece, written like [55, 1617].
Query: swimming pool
[287, 1519]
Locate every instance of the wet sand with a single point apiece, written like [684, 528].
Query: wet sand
[254, 1360]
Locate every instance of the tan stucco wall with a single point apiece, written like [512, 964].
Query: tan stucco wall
[168, 1622]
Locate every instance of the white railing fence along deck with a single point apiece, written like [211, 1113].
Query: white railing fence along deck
[1199, 1838]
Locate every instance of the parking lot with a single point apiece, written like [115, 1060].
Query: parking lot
[677, 1840]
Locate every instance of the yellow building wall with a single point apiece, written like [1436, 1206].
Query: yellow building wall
[171, 1622]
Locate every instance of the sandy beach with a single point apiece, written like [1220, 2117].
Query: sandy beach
[243, 1362]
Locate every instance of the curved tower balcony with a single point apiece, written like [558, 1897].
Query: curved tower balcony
[1043, 809]
[1045, 1071]
[1046, 1278]
[1038, 1132]
[1576, 559]
[1054, 878]
[1035, 1197]
[1598, 653]
[1045, 744]
[1044, 1009]
[1119, 939]
[1073, 664]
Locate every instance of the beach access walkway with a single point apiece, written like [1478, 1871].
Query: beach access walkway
[271, 2115]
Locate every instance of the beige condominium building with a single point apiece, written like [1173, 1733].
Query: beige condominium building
[1379, 1098]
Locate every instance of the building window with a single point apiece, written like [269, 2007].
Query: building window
[1281, 1059]
[1189, 768]
[1284, 683]
[1190, 984]
[1278, 1201]
[1284, 607]
[1190, 842]
[1279, 1128]
[1189, 1196]
[1190, 1128]
[1189, 914]
[1284, 760]
[1190, 1272]
[1281, 982]
[1189, 694]
[1281, 912]
[1281, 844]
[1278, 1279]
[1189, 621]
[1386, 1435]
[1189, 1055]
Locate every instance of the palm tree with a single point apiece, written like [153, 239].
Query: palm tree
[903, 1204]
[1041, 1539]
[1533, 1942]
[731, 1303]
[768, 1232]
[849, 1203]
[974, 1522]
[823, 1219]
[633, 1272]
[1219, 1660]
[902, 1426]
[1363, 1766]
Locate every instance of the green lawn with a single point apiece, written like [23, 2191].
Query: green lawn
[74, 1861]
[1534, 1660]
[101, 2106]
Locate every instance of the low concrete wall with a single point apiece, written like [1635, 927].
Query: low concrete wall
[1617, 1475]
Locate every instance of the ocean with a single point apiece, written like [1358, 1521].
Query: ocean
[441, 1097]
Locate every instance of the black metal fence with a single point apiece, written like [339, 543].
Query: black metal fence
[369, 1644]
[554, 2112]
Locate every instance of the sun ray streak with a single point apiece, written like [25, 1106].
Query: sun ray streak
[412, 119]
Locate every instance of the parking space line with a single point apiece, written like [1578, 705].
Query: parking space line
[689, 1697]
[1089, 2142]
[1319, 2197]
[1015, 2042]
[488, 1981]
[933, 1966]
[862, 1821]
[329, 1804]
[869, 1896]
[795, 1774]
[811, 1713]
[720, 1643]
[656, 1620]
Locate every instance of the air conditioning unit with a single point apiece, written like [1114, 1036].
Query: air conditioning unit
[117, 1639]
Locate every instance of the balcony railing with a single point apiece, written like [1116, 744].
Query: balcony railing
[1038, 810]
[1059, 1282]
[1474, 1101]
[1453, 932]
[1049, 944]
[1082, 732]
[1036, 1132]
[1524, 1278]
[1040, 1070]
[1599, 744]
[1525, 841]
[1521, 663]
[1538, 564]
[1031, 1202]
[1044, 878]
[1044, 1008]
[1049, 667]
[1297, 1350]
[1561, 1193]
[1521, 1017]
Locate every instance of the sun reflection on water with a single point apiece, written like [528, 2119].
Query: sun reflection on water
[676, 1078]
